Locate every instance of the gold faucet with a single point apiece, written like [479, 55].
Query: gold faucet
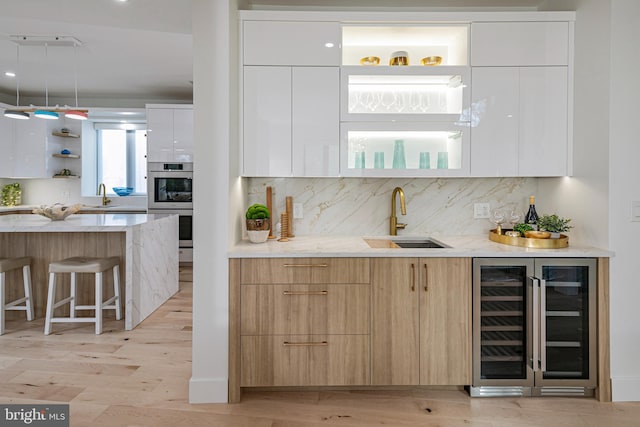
[393, 221]
[102, 188]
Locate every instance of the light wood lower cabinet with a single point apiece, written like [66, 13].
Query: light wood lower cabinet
[304, 321]
[421, 328]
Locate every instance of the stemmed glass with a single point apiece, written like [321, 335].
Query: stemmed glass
[514, 217]
[497, 217]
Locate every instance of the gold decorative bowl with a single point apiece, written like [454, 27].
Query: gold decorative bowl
[431, 60]
[370, 60]
[537, 234]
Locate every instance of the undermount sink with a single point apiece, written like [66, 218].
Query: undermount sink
[419, 243]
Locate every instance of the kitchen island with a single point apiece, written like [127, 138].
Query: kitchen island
[146, 244]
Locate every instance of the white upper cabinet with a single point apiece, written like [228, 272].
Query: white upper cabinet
[316, 121]
[519, 43]
[519, 123]
[169, 133]
[267, 121]
[291, 43]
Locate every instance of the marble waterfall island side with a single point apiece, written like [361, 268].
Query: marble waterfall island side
[146, 244]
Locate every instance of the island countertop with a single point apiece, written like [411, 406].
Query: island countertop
[357, 246]
[75, 223]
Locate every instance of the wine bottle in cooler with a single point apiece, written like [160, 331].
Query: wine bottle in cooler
[531, 217]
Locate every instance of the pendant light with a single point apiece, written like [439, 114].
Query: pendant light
[46, 114]
[16, 114]
[76, 114]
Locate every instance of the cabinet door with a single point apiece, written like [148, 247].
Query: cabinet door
[445, 321]
[316, 121]
[519, 43]
[8, 146]
[291, 43]
[30, 149]
[267, 121]
[544, 146]
[160, 135]
[395, 325]
[183, 135]
[494, 121]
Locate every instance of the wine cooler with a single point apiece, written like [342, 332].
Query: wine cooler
[534, 327]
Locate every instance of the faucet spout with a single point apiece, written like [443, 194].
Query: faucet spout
[102, 189]
[393, 220]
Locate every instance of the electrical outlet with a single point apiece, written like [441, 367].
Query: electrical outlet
[481, 210]
[297, 211]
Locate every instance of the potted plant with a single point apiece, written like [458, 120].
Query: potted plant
[522, 228]
[11, 194]
[554, 225]
[258, 223]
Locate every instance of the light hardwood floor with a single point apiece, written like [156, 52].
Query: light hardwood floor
[140, 378]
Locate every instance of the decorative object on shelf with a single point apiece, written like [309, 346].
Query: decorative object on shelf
[64, 172]
[289, 210]
[360, 160]
[554, 225]
[65, 151]
[284, 226]
[528, 242]
[378, 160]
[123, 191]
[399, 159]
[431, 60]
[399, 57]
[258, 224]
[58, 211]
[64, 130]
[443, 160]
[270, 208]
[425, 160]
[370, 60]
[11, 194]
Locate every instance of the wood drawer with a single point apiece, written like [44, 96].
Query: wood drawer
[304, 309]
[304, 360]
[304, 270]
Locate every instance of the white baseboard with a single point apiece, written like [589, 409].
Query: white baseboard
[208, 390]
[625, 389]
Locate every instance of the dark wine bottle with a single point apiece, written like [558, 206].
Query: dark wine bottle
[531, 217]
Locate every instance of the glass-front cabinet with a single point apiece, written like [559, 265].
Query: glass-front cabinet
[404, 100]
[404, 149]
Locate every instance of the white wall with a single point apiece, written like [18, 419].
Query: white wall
[624, 187]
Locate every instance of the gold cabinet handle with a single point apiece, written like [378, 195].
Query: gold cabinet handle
[306, 265]
[306, 344]
[413, 277]
[426, 278]
[305, 292]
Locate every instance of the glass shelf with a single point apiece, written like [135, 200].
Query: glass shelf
[404, 94]
[371, 150]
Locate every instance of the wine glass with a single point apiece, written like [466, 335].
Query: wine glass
[514, 217]
[497, 217]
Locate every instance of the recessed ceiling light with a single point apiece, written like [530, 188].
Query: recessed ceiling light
[10, 74]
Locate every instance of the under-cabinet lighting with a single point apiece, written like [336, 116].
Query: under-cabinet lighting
[9, 74]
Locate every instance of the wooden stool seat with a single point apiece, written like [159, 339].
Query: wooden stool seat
[76, 265]
[9, 264]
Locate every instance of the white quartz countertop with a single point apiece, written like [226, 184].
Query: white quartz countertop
[85, 208]
[356, 246]
[75, 223]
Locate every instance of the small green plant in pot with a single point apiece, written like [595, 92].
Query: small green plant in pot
[521, 228]
[258, 223]
[554, 224]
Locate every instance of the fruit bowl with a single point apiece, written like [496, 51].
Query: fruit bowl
[57, 212]
[123, 191]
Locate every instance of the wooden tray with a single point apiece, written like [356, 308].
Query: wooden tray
[559, 243]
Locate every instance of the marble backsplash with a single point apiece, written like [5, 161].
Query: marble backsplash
[362, 206]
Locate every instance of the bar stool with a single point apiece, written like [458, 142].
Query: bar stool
[76, 265]
[6, 265]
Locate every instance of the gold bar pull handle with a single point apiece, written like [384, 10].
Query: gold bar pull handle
[306, 265]
[413, 277]
[305, 292]
[306, 344]
[426, 278]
